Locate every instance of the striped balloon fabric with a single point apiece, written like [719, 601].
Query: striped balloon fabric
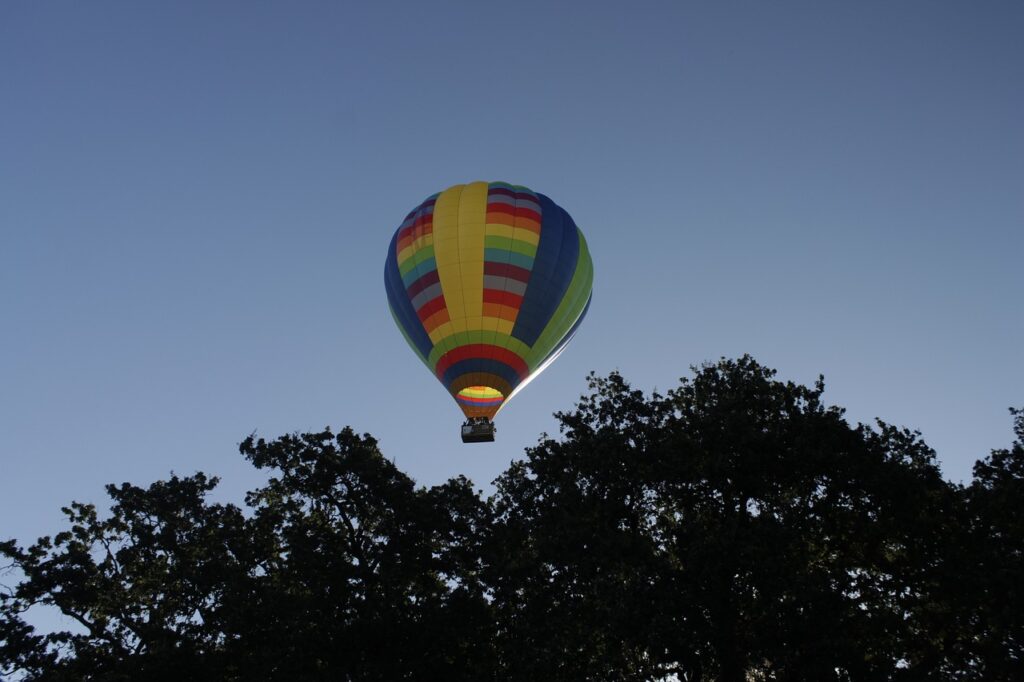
[488, 282]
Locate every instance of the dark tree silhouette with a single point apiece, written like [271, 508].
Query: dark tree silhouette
[979, 589]
[736, 528]
[342, 570]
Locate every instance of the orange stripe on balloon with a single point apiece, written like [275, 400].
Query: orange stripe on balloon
[503, 218]
[436, 320]
[502, 312]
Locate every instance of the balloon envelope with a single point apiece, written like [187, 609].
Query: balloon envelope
[487, 282]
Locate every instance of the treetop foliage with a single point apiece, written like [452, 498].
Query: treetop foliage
[734, 528]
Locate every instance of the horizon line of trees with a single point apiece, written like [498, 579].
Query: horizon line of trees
[735, 528]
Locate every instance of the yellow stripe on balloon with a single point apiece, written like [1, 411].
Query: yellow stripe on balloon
[446, 254]
[472, 217]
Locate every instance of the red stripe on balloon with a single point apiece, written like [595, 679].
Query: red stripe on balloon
[507, 270]
[479, 402]
[483, 351]
[430, 307]
[503, 297]
[427, 280]
[513, 211]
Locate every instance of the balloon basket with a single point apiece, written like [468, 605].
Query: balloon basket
[478, 430]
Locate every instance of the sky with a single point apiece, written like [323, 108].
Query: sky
[196, 200]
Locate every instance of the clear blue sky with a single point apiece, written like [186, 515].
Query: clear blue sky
[196, 199]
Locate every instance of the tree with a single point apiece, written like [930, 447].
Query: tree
[735, 528]
[365, 577]
[140, 585]
[997, 525]
[343, 570]
[977, 599]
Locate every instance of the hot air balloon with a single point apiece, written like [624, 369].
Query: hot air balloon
[488, 282]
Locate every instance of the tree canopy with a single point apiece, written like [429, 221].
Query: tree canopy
[734, 528]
